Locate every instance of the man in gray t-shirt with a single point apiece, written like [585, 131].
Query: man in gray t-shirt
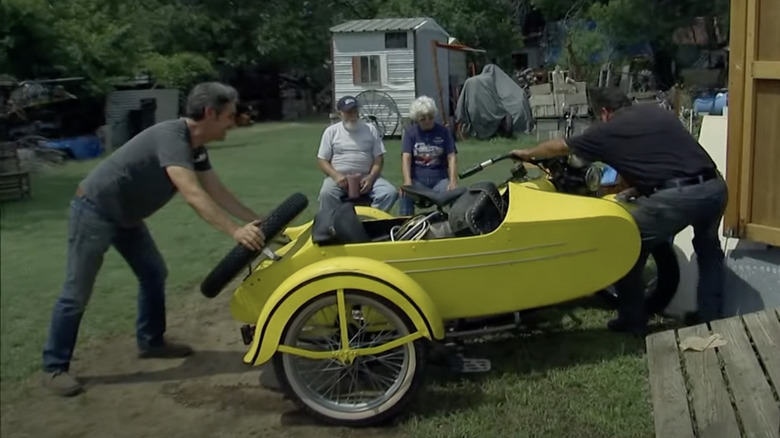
[353, 147]
[109, 209]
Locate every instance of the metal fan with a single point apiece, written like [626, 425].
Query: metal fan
[379, 109]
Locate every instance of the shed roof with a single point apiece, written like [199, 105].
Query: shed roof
[384, 25]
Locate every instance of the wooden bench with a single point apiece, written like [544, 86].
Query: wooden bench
[728, 391]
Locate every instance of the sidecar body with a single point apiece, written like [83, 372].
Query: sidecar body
[366, 295]
[549, 248]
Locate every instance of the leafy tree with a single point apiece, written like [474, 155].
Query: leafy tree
[485, 25]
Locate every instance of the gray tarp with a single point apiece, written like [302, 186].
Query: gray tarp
[489, 98]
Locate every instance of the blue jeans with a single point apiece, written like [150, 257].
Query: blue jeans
[383, 194]
[406, 204]
[90, 235]
[660, 216]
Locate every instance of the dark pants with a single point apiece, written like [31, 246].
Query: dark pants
[406, 207]
[89, 237]
[660, 217]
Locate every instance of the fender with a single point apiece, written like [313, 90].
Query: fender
[613, 197]
[372, 213]
[294, 232]
[341, 273]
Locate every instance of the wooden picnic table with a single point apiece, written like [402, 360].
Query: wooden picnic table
[729, 391]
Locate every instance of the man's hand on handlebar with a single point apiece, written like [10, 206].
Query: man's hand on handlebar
[521, 154]
[250, 236]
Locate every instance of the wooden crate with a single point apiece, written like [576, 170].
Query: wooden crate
[14, 181]
[14, 186]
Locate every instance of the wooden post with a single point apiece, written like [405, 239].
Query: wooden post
[434, 46]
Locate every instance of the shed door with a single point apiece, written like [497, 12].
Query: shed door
[754, 122]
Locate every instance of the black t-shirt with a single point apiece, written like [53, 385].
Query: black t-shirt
[646, 145]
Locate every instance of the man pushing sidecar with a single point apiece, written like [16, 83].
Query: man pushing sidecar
[676, 182]
[110, 206]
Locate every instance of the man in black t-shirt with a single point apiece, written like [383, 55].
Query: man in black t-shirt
[678, 185]
[109, 209]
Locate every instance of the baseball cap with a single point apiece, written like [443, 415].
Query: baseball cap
[346, 103]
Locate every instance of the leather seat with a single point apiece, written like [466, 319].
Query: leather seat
[424, 197]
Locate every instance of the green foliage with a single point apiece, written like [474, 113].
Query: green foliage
[484, 25]
[180, 70]
[182, 41]
[621, 23]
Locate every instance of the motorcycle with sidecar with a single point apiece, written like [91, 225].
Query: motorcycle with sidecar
[346, 307]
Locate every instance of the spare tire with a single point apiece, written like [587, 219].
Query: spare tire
[240, 256]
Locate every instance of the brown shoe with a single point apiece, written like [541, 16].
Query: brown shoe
[61, 383]
[168, 350]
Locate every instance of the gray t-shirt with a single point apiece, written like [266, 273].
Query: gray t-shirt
[132, 183]
[351, 151]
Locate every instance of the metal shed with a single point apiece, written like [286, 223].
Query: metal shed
[122, 111]
[389, 62]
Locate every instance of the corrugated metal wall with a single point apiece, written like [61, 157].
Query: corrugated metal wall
[119, 103]
[426, 73]
[396, 69]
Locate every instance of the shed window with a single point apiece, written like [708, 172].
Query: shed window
[395, 40]
[365, 70]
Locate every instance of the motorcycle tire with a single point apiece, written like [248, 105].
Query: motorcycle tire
[240, 256]
[668, 280]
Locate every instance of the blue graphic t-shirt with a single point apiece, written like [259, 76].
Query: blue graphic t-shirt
[429, 150]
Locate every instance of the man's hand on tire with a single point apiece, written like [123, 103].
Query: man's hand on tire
[250, 236]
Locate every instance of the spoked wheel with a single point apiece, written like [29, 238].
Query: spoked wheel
[379, 109]
[350, 358]
[660, 279]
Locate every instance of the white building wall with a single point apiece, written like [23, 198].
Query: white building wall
[396, 70]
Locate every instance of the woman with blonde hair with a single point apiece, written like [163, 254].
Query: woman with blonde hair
[429, 154]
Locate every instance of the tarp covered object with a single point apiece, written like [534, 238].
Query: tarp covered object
[491, 102]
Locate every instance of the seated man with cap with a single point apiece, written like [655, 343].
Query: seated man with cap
[353, 148]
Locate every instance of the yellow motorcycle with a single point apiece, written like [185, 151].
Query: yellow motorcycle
[347, 307]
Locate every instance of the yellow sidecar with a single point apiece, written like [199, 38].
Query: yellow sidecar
[345, 305]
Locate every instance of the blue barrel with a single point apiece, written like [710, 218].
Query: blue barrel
[705, 103]
[721, 100]
[711, 103]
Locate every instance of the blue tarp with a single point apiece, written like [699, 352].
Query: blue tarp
[79, 148]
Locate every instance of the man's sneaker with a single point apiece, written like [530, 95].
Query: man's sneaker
[168, 350]
[61, 383]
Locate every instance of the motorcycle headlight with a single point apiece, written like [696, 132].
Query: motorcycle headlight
[577, 162]
[593, 178]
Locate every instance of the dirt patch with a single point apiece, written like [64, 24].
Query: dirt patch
[210, 394]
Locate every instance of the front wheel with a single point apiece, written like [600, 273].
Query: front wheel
[324, 366]
[661, 278]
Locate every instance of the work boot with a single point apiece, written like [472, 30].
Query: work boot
[167, 350]
[61, 383]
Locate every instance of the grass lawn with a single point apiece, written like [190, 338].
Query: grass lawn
[574, 378]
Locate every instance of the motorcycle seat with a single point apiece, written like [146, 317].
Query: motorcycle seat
[424, 197]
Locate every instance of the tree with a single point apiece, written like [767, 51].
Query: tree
[486, 25]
